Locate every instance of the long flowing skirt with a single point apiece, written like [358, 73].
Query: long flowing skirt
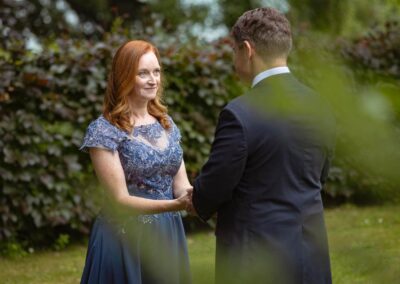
[140, 249]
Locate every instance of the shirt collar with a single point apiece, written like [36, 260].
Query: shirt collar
[269, 72]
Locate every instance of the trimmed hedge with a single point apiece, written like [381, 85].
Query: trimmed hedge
[374, 59]
[46, 102]
[376, 53]
[48, 188]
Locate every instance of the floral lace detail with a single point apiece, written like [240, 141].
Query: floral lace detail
[144, 219]
[123, 225]
[150, 157]
[150, 134]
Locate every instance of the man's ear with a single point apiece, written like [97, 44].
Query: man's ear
[249, 49]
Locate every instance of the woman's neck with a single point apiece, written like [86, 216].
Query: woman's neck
[140, 114]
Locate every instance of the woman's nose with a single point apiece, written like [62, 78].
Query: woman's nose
[152, 79]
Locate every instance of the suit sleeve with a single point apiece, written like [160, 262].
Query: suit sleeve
[325, 169]
[224, 168]
[330, 150]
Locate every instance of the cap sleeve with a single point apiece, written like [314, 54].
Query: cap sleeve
[175, 132]
[101, 134]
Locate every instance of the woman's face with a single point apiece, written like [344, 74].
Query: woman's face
[148, 77]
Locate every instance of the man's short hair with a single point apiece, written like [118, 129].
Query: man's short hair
[267, 30]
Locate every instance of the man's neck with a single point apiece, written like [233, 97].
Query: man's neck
[261, 65]
[268, 72]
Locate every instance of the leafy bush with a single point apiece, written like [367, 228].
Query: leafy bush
[375, 63]
[61, 242]
[357, 89]
[200, 81]
[48, 99]
[377, 52]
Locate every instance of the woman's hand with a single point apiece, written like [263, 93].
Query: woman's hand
[183, 201]
[109, 170]
[190, 208]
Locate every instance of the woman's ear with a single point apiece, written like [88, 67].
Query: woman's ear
[249, 49]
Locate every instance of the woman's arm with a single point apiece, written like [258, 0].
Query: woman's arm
[109, 170]
[181, 182]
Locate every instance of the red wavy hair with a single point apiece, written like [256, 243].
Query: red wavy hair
[121, 85]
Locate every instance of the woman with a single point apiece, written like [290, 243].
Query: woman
[134, 147]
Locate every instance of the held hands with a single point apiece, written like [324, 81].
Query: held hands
[185, 201]
[190, 208]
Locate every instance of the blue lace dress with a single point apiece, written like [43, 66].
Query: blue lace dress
[128, 248]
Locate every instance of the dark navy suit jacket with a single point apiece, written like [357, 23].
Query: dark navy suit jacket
[268, 163]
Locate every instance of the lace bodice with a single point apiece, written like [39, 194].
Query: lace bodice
[150, 156]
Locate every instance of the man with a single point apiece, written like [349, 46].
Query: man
[268, 162]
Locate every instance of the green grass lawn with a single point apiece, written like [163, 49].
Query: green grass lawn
[364, 245]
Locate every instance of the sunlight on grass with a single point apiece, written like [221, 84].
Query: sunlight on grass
[201, 253]
[364, 245]
[45, 267]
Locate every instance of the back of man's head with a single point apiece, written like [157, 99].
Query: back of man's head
[267, 30]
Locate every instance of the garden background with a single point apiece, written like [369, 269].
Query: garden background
[54, 60]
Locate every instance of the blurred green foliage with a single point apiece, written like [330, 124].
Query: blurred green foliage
[364, 247]
[61, 242]
[348, 18]
[359, 17]
[360, 80]
[89, 19]
[376, 56]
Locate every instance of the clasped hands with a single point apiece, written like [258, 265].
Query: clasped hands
[186, 200]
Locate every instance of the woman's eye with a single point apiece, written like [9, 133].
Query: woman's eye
[142, 74]
[157, 72]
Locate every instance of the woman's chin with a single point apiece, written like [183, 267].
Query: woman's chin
[148, 95]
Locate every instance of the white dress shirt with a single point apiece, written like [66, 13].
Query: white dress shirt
[269, 72]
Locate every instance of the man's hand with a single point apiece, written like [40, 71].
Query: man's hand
[190, 208]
